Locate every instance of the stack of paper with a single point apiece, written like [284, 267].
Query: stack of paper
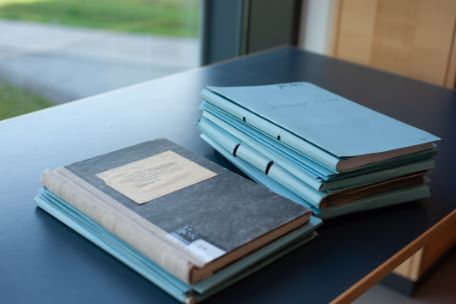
[317, 148]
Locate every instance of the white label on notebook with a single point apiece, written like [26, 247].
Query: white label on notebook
[155, 176]
[204, 251]
[195, 245]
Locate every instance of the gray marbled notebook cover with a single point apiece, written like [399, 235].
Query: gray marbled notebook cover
[225, 210]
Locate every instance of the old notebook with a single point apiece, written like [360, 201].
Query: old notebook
[185, 213]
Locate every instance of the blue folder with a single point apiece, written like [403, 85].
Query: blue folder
[305, 169]
[282, 175]
[389, 198]
[309, 119]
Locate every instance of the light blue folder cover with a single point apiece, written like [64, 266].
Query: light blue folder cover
[333, 123]
[153, 272]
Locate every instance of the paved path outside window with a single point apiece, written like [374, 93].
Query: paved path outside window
[66, 63]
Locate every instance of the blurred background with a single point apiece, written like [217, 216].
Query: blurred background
[57, 51]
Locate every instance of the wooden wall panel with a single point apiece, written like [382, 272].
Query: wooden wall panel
[450, 79]
[414, 38]
[355, 41]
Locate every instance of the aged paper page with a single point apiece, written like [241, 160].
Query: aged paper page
[155, 176]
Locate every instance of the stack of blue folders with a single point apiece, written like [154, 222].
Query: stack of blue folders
[317, 148]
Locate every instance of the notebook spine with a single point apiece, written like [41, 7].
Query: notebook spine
[119, 220]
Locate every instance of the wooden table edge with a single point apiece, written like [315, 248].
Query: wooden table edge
[389, 265]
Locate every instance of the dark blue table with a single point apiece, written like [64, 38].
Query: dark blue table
[43, 261]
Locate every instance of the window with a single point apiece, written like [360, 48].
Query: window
[55, 51]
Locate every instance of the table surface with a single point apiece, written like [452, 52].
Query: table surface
[41, 260]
